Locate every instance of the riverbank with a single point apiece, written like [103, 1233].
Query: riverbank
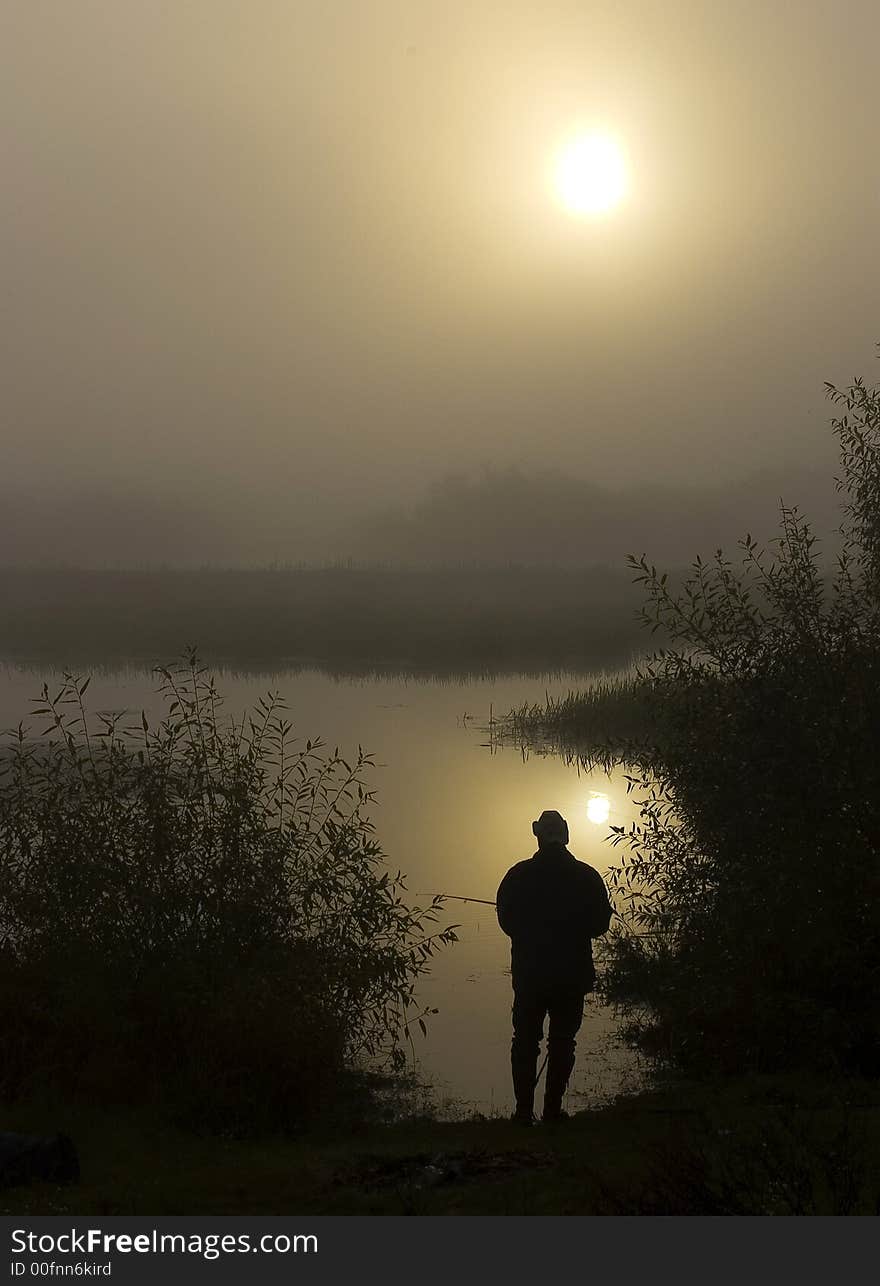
[435, 622]
[754, 1145]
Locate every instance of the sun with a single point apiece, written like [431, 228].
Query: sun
[598, 809]
[590, 174]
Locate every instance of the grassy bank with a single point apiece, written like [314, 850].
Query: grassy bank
[348, 620]
[750, 1146]
[601, 719]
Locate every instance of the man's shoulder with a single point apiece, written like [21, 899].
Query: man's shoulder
[587, 873]
[585, 866]
[520, 868]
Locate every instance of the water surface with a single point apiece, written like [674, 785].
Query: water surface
[453, 816]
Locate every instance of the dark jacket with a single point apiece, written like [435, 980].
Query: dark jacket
[550, 906]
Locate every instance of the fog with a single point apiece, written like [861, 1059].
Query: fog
[287, 281]
[493, 517]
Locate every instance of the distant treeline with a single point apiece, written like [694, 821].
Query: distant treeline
[354, 620]
[552, 519]
[499, 516]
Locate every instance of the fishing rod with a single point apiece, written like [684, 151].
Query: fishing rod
[456, 897]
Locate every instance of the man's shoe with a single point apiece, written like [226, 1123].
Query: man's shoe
[522, 1118]
[551, 1117]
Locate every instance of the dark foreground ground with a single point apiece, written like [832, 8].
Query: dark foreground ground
[753, 1146]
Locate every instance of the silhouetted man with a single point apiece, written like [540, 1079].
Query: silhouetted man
[550, 906]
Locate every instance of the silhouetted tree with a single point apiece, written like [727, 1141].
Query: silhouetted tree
[197, 914]
[749, 894]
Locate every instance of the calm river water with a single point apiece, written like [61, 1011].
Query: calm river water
[453, 817]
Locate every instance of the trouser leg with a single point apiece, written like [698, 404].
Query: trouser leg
[528, 1028]
[566, 1015]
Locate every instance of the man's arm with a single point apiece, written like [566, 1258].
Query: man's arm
[600, 909]
[506, 902]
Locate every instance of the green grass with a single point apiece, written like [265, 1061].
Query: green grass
[749, 1146]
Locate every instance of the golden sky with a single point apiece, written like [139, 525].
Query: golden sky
[311, 249]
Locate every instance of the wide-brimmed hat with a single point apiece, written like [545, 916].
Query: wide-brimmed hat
[551, 826]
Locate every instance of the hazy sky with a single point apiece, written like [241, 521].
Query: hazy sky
[302, 258]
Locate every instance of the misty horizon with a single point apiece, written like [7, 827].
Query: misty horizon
[273, 272]
[492, 517]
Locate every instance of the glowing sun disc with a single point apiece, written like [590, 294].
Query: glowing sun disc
[598, 809]
[590, 174]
